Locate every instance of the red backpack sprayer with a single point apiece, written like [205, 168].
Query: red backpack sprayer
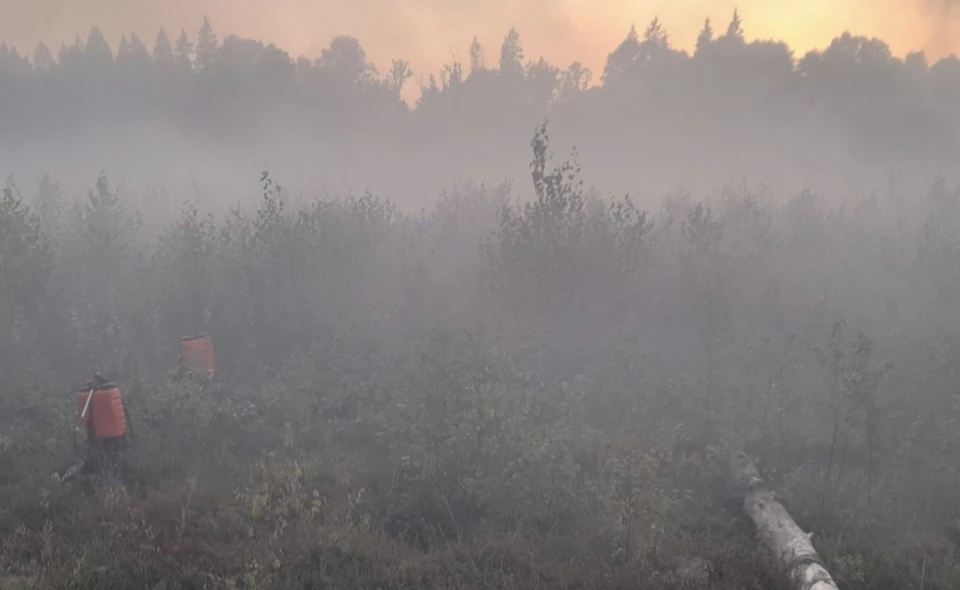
[197, 358]
[103, 419]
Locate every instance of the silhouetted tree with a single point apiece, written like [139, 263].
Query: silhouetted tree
[183, 52]
[206, 48]
[511, 54]
[42, 58]
[704, 38]
[735, 28]
[346, 62]
[134, 59]
[163, 51]
[621, 59]
[573, 81]
[476, 55]
[98, 56]
[400, 72]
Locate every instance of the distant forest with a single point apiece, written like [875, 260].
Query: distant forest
[853, 100]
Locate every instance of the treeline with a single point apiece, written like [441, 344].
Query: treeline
[885, 108]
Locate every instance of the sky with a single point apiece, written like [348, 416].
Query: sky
[429, 33]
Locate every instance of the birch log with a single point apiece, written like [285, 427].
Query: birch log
[778, 530]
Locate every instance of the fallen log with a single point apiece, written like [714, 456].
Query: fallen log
[778, 531]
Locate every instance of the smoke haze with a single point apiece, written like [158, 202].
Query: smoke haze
[441, 339]
[429, 32]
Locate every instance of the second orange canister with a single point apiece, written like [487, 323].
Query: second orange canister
[197, 355]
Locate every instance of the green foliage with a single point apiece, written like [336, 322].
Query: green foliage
[25, 257]
[276, 494]
[381, 421]
[26, 265]
[554, 252]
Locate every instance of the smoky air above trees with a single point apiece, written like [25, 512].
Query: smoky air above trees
[508, 334]
[179, 110]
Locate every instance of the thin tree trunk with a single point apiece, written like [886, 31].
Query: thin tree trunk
[778, 530]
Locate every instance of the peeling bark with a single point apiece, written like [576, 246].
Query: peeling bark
[791, 545]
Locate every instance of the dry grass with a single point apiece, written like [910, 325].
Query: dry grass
[544, 504]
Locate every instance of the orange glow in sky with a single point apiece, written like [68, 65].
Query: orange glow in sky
[430, 33]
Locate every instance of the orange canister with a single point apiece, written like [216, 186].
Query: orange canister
[105, 417]
[197, 355]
